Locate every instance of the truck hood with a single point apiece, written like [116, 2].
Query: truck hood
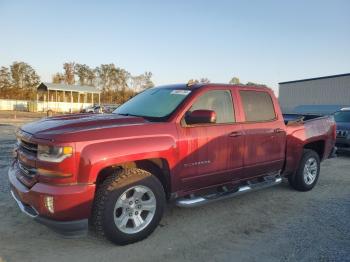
[343, 126]
[54, 128]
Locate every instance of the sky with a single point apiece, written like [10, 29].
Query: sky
[260, 41]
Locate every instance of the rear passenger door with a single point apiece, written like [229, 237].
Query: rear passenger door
[264, 134]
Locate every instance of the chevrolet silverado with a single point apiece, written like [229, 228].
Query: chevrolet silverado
[190, 144]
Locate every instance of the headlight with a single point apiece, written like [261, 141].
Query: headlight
[54, 153]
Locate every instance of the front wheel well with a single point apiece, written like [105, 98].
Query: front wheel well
[317, 146]
[157, 166]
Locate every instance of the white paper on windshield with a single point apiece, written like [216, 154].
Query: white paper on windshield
[180, 92]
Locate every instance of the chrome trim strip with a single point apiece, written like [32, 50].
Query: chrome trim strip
[29, 172]
[22, 207]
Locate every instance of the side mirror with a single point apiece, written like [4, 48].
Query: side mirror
[201, 117]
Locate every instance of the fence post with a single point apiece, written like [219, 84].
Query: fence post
[15, 116]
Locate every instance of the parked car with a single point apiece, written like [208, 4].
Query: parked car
[191, 144]
[95, 109]
[109, 108]
[342, 119]
[99, 109]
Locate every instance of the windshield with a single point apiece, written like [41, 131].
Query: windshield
[342, 116]
[153, 103]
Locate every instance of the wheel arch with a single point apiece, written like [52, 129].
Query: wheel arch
[159, 167]
[317, 146]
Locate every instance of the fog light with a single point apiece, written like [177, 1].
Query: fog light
[48, 201]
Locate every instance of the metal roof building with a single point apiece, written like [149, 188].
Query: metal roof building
[328, 93]
[70, 89]
[65, 98]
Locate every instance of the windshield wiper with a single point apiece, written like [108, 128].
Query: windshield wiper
[127, 114]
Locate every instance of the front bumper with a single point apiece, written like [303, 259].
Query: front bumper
[72, 204]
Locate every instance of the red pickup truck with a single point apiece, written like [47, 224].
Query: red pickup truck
[192, 144]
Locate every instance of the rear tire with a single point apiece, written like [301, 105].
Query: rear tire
[128, 206]
[308, 171]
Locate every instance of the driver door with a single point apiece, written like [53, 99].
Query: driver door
[213, 151]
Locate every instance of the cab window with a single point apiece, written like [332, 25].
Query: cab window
[257, 106]
[220, 101]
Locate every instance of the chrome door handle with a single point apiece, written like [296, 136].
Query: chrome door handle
[235, 134]
[278, 130]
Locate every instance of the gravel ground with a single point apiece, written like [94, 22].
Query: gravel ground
[275, 224]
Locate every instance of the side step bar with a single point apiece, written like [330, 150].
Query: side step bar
[195, 201]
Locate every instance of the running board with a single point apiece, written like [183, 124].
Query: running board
[195, 201]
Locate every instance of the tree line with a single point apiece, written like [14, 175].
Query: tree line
[233, 81]
[117, 85]
[20, 80]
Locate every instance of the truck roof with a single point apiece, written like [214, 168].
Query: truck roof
[201, 85]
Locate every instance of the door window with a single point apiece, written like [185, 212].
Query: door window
[220, 101]
[258, 106]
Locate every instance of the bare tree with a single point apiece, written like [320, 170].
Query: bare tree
[234, 81]
[69, 73]
[113, 82]
[254, 84]
[204, 80]
[5, 82]
[141, 82]
[24, 78]
[58, 78]
[85, 74]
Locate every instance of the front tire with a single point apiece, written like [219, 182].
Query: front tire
[308, 171]
[128, 206]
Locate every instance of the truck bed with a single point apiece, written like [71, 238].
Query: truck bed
[294, 118]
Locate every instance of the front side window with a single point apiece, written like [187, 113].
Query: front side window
[219, 101]
[258, 106]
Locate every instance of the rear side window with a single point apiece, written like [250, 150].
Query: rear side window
[219, 101]
[257, 106]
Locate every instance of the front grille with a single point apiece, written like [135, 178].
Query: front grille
[25, 174]
[342, 133]
[27, 171]
[28, 147]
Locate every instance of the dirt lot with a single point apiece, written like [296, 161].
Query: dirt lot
[276, 224]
